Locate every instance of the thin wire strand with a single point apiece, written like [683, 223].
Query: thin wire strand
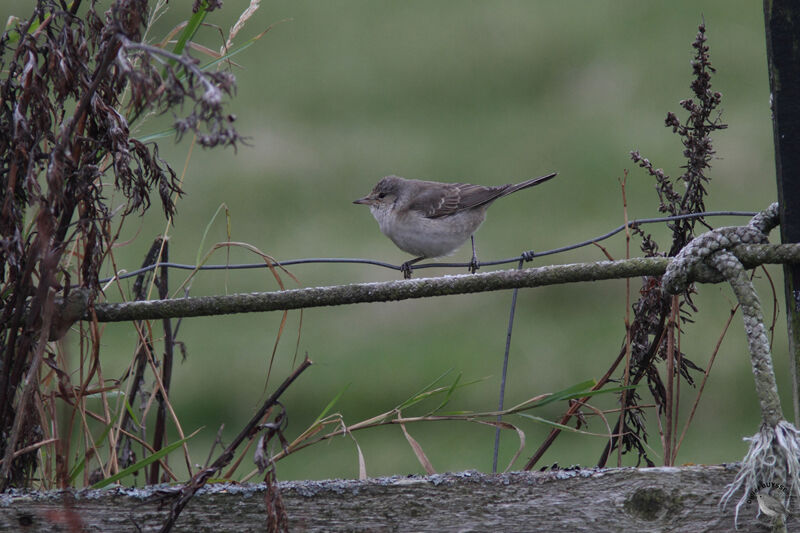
[344, 260]
[505, 371]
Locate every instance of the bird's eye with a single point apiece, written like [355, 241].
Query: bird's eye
[382, 195]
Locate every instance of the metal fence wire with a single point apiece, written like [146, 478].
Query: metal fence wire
[525, 256]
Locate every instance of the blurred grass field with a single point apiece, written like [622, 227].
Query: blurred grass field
[346, 92]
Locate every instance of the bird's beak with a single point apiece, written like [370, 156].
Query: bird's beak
[367, 200]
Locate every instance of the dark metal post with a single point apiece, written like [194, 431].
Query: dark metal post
[782, 21]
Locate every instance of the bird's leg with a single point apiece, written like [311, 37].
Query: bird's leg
[474, 265]
[405, 268]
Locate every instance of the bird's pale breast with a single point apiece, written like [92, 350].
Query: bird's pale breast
[431, 237]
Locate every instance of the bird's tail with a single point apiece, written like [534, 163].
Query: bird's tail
[528, 183]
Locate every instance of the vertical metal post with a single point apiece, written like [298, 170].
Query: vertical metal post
[782, 22]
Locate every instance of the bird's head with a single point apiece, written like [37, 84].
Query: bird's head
[384, 194]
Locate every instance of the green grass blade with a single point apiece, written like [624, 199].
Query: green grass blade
[448, 393]
[199, 256]
[330, 405]
[584, 393]
[143, 463]
[424, 392]
[429, 393]
[13, 34]
[76, 471]
[242, 47]
[191, 28]
[131, 413]
[157, 135]
[580, 390]
[577, 390]
[548, 422]
[232, 53]
[188, 32]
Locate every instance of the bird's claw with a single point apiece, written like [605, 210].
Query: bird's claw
[474, 265]
[405, 268]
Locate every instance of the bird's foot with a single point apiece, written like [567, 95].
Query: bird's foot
[405, 268]
[474, 265]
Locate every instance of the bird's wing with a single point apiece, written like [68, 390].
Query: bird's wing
[477, 195]
[442, 201]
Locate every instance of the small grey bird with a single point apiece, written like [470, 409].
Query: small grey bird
[770, 505]
[432, 219]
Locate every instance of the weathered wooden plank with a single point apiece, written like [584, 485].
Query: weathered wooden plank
[626, 499]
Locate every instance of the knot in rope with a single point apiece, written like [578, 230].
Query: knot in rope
[774, 454]
[707, 255]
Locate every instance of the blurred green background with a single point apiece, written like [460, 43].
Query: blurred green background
[346, 92]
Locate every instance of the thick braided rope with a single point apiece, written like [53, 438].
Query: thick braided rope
[709, 253]
[695, 257]
[773, 459]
